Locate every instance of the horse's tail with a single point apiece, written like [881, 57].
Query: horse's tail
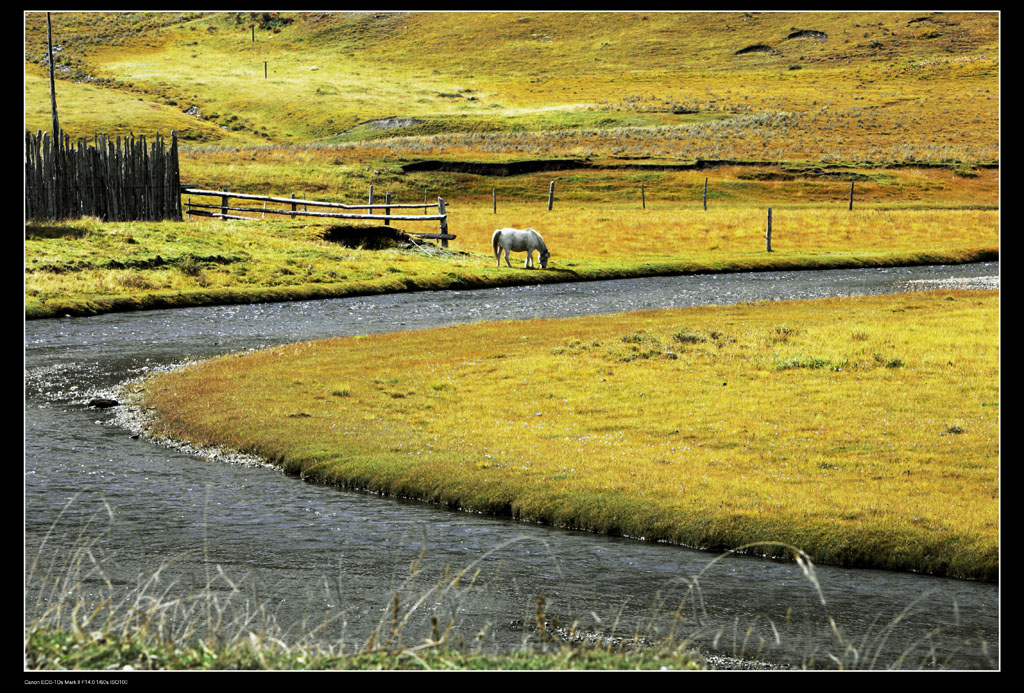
[494, 244]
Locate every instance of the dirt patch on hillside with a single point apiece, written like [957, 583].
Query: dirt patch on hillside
[809, 34]
[391, 123]
[757, 48]
[507, 168]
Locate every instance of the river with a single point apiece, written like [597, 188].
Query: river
[123, 518]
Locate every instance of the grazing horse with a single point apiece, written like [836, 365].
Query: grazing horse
[505, 240]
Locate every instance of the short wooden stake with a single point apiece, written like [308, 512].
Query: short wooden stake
[224, 204]
[387, 210]
[705, 194]
[444, 222]
[851, 194]
[494, 199]
[369, 210]
[768, 235]
[643, 198]
[551, 195]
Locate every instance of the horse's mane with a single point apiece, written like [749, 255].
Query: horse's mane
[542, 245]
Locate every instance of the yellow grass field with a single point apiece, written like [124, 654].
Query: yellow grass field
[864, 431]
[868, 86]
[606, 232]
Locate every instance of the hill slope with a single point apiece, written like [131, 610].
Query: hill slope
[901, 87]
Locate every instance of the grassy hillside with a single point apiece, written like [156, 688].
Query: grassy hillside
[878, 87]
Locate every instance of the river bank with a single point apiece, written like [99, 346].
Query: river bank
[472, 279]
[87, 267]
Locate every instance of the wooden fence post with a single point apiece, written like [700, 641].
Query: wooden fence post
[551, 195]
[643, 198]
[264, 69]
[224, 205]
[768, 234]
[494, 199]
[387, 210]
[294, 208]
[174, 183]
[705, 193]
[369, 210]
[444, 221]
[114, 177]
[851, 194]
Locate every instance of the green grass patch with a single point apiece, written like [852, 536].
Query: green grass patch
[61, 650]
[85, 266]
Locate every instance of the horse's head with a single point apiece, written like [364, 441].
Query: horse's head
[544, 255]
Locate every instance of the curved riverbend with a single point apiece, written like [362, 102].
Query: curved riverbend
[301, 550]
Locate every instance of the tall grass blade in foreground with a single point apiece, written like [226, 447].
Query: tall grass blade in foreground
[224, 624]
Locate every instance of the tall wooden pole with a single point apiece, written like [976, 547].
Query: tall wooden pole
[58, 207]
[53, 93]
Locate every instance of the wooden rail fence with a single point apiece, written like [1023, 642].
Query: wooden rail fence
[222, 210]
[119, 179]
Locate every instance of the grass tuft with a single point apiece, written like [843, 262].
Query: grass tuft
[79, 619]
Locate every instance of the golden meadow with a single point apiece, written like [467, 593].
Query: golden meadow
[904, 104]
[863, 430]
[871, 87]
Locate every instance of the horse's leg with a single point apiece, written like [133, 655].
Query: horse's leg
[506, 259]
[529, 260]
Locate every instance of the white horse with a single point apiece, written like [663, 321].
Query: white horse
[505, 240]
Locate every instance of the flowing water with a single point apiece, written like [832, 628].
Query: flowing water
[274, 552]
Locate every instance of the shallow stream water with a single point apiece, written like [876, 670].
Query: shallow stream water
[272, 553]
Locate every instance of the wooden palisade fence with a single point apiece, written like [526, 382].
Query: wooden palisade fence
[222, 210]
[116, 180]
